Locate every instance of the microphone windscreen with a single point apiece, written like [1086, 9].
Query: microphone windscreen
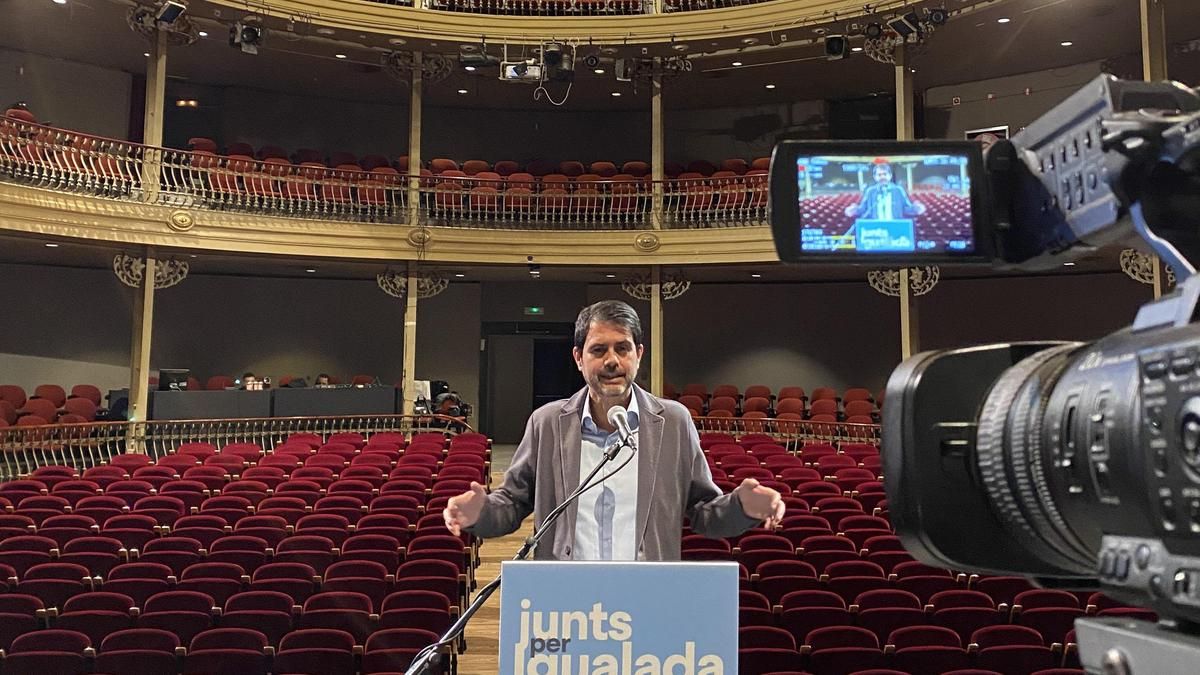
[618, 416]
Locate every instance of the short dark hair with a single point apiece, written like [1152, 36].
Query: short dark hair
[324, 375]
[245, 375]
[608, 311]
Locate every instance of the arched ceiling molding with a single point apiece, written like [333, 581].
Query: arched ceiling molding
[770, 17]
[37, 212]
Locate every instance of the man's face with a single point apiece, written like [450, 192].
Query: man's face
[608, 361]
[883, 174]
[249, 379]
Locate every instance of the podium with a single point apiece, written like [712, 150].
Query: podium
[619, 618]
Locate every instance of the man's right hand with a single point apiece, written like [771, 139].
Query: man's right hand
[463, 510]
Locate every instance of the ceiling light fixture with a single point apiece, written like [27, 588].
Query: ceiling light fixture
[311, 270]
[459, 275]
[610, 276]
[770, 86]
[616, 93]
[856, 49]
[736, 64]
[1003, 19]
[1066, 43]
[1068, 264]
[60, 2]
[756, 275]
[469, 69]
[339, 56]
[462, 91]
[598, 71]
[146, 54]
[203, 33]
[325, 31]
[51, 244]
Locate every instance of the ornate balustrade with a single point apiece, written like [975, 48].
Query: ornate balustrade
[68, 161]
[85, 445]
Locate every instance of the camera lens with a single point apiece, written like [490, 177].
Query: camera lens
[1014, 462]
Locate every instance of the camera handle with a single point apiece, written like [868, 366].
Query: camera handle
[1117, 646]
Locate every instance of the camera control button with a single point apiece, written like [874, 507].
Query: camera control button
[1168, 511]
[1154, 369]
[1141, 556]
[1123, 560]
[1108, 564]
[1183, 364]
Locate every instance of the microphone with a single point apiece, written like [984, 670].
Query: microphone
[619, 418]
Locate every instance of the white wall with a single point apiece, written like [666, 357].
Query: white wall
[67, 94]
[1010, 106]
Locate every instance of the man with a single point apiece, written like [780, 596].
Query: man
[637, 514]
[885, 200]
[322, 380]
[250, 382]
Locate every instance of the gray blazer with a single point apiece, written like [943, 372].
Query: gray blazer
[673, 481]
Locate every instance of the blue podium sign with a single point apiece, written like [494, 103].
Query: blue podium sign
[630, 618]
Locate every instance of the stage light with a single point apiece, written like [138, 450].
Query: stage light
[937, 16]
[170, 11]
[905, 25]
[873, 31]
[836, 47]
[246, 36]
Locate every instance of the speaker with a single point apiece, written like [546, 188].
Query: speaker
[836, 47]
[937, 16]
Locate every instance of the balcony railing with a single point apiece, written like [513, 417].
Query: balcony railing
[68, 161]
[567, 7]
[82, 446]
[791, 433]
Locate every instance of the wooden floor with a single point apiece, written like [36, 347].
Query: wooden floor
[483, 633]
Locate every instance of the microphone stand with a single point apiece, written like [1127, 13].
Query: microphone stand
[427, 660]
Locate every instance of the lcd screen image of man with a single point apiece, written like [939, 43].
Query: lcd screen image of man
[885, 199]
[637, 513]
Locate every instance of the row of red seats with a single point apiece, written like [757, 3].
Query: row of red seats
[472, 167]
[245, 651]
[49, 404]
[762, 391]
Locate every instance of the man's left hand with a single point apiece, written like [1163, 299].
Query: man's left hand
[760, 502]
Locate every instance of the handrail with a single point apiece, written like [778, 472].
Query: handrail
[570, 8]
[69, 161]
[791, 433]
[87, 444]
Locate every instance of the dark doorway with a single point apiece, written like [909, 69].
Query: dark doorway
[525, 366]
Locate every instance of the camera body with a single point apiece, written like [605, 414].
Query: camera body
[1075, 464]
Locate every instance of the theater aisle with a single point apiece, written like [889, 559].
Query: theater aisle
[483, 633]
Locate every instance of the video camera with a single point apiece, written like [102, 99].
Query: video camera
[1075, 464]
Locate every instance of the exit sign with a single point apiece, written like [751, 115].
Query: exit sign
[535, 311]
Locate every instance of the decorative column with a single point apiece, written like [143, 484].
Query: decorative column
[905, 129]
[906, 284]
[1154, 69]
[145, 275]
[152, 125]
[410, 287]
[414, 140]
[655, 287]
[1148, 269]
[656, 331]
[657, 151]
